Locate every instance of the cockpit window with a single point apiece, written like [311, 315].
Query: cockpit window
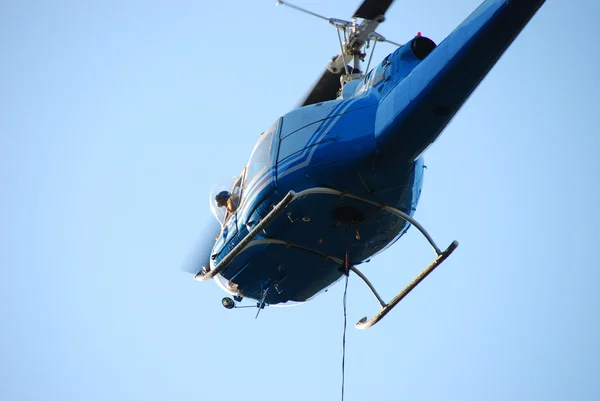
[261, 158]
[226, 197]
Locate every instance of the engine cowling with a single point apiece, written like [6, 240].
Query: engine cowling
[422, 46]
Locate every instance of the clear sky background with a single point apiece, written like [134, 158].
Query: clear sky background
[117, 118]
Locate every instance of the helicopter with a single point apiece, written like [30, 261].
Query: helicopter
[337, 180]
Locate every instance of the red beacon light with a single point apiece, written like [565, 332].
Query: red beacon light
[418, 33]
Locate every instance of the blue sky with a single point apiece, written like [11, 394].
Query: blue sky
[117, 118]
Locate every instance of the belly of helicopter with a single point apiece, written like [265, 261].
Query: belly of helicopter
[303, 250]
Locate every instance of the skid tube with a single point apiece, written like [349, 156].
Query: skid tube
[365, 323]
[291, 196]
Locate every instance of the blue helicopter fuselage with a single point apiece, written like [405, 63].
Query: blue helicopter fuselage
[369, 143]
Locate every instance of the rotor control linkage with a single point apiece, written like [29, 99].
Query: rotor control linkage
[356, 36]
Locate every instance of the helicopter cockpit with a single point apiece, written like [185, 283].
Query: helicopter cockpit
[226, 197]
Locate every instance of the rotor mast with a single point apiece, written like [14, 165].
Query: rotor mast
[353, 37]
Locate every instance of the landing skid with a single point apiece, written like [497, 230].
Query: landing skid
[386, 308]
[290, 197]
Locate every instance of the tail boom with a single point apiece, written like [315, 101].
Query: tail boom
[418, 108]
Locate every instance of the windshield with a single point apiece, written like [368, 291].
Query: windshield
[260, 160]
[227, 196]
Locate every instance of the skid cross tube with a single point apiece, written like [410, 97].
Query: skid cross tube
[368, 283]
[392, 210]
[289, 198]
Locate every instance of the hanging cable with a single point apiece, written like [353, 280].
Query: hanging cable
[347, 273]
[344, 337]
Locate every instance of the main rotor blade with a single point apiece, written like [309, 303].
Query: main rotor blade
[328, 85]
[370, 9]
[325, 89]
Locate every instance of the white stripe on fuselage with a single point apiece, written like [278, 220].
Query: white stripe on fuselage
[313, 148]
[307, 152]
